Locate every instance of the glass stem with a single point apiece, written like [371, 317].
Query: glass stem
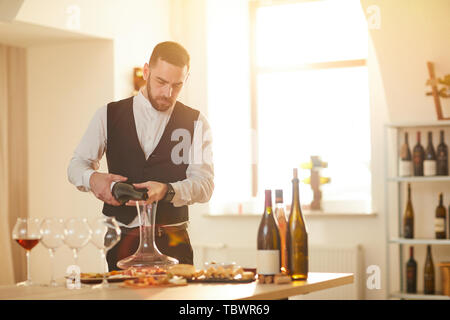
[52, 262]
[105, 264]
[75, 256]
[28, 267]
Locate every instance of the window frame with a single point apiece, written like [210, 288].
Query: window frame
[255, 70]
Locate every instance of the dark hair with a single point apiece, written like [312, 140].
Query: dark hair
[171, 52]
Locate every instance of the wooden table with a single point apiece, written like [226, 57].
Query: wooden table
[248, 291]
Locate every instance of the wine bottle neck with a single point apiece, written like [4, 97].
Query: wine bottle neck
[295, 193]
[411, 252]
[441, 200]
[268, 202]
[442, 137]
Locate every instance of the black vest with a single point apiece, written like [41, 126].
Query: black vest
[126, 157]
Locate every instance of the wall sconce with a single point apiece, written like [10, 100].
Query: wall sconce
[138, 80]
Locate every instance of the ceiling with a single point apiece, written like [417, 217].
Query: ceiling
[22, 34]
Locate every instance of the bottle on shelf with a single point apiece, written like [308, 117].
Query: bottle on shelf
[411, 273]
[428, 275]
[418, 157]
[297, 236]
[405, 162]
[439, 220]
[123, 192]
[429, 163]
[282, 229]
[268, 241]
[442, 157]
[408, 217]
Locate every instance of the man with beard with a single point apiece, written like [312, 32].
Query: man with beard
[141, 137]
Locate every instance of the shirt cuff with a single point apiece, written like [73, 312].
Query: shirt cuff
[86, 178]
[179, 199]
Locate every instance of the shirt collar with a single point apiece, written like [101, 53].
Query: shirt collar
[149, 107]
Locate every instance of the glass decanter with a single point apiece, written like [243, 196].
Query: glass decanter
[147, 254]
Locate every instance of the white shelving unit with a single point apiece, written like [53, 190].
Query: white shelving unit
[398, 240]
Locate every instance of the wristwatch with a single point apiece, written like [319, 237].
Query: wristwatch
[169, 194]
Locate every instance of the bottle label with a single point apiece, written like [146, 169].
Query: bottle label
[429, 168]
[408, 231]
[439, 225]
[405, 168]
[268, 262]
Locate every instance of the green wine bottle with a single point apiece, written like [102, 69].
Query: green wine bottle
[428, 275]
[297, 236]
[268, 241]
[123, 192]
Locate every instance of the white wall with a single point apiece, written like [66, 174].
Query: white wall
[62, 96]
[411, 33]
[135, 27]
[67, 82]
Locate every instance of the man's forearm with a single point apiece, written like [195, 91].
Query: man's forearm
[79, 173]
[192, 190]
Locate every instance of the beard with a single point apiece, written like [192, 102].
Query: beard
[159, 103]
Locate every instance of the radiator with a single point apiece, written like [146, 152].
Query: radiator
[346, 259]
[322, 258]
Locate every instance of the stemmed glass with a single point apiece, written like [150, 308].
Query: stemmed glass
[52, 231]
[105, 234]
[27, 233]
[76, 235]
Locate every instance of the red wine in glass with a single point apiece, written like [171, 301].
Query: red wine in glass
[27, 244]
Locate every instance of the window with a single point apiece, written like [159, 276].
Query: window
[309, 95]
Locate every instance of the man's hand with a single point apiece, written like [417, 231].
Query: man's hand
[100, 184]
[156, 191]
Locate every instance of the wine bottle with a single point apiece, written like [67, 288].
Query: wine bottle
[429, 163]
[282, 228]
[442, 157]
[411, 273]
[428, 276]
[439, 222]
[297, 236]
[408, 217]
[268, 242]
[124, 192]
[405, 162]
[418, 157]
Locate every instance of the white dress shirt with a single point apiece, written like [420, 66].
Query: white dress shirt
[150, 124]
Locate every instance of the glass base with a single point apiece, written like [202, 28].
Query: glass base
[51, 284]
[26, 283]
[140, 260]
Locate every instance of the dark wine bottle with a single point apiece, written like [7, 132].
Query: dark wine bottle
[408, 217]
[268, 242]
[297, 236]
[428, 275]
[429, 163]
[442, 157]
[124, 192]
[418, 157]
[411, 273]
[439, 221]
[405, 162]
[282, 228]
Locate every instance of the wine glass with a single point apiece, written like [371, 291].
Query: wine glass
[52, 231]
[26, 232]
[105, 234]
[76, 235]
